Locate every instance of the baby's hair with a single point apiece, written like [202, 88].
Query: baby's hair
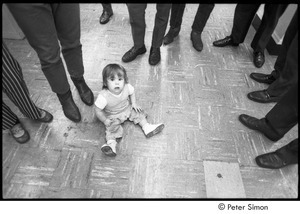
[111, 70]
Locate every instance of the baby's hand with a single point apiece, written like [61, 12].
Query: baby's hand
[108, 122]
[137, 108]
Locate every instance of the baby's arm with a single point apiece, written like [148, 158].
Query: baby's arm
[133, 103]
[101, 116]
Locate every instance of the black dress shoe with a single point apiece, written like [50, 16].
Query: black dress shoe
[259, 125]
[224, 42]
[84, 91]
[19, 133]
[133, 53]
[271, 160]
[171, 35]
[263, 78]
[154, 56]
[258, 59]
[196, 40]
[105, 17]
[70, 109]
[262, 97]
[46, 116]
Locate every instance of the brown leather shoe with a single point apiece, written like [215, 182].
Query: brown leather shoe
[19, 133]
[271, 160]
[262, 78]
[225, 42]
[262, 97]
[259, 125]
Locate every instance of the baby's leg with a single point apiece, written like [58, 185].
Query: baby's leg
[149, 129]
[115, 130]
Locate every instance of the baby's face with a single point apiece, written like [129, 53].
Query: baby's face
[115, 84]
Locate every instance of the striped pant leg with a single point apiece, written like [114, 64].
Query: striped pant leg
[15, 87]
[9, 119]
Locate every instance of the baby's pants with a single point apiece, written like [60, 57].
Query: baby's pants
[115, 130]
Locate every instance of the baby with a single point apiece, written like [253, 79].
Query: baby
[115, 104]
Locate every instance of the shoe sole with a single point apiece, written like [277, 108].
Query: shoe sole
[107, 150]
[155, 131]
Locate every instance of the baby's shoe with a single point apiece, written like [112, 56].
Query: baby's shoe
[152, 129]
[109, 148]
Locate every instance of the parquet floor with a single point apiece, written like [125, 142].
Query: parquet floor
[203, 152]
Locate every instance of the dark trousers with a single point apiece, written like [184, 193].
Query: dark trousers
[46, 27]
[138, 23]
[107, 7]
[284, 115]
[243, 16]
[289, 152]
[286, 65]
[272, 13]
[201, 17]
[15, 88]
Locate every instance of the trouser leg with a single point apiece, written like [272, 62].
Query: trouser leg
[284, 115]
[177, 11]
[9, 119]
[243, 16]
[272, 13]
[38, 24]
[202, 15]
[137, 23]
[15, 87]
[160, 25]
[67, 23]
[289, 152]
[289, 75]
[107, 7]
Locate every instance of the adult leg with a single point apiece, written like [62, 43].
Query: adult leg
[284, 115]
[15, 87]
[67, 22]
[289, 76]
[281, 59]
[137, 23]
[32, 19]
[160, 25]
[199, 23]
[243, 16]
[272, 13]
[242, 19]
[202, 15]
[177, 11]
[138, 28]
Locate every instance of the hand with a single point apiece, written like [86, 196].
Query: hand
[136, 108]
[108, 122]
